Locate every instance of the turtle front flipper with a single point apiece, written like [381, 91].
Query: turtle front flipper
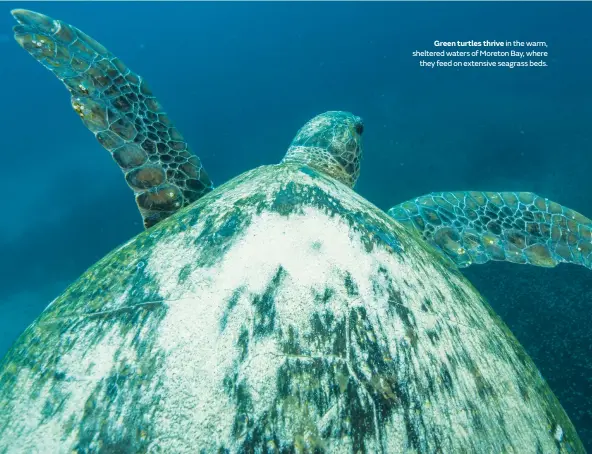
[520, 227]
[119, 108]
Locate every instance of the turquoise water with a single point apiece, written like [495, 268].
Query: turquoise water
[239, 79]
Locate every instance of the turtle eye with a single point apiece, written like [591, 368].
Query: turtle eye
[359, 128]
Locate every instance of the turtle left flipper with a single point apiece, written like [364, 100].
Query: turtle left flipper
[521, 227]
[119, 108]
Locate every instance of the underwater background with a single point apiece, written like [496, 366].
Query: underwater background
[239, 79]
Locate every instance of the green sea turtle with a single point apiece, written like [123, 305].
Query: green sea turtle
[280, 312]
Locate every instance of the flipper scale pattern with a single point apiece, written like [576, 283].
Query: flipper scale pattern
[520, 227]
[118, 107]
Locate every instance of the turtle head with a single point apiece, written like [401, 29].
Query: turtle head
[330, 143]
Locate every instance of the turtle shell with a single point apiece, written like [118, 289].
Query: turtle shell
[282, 312]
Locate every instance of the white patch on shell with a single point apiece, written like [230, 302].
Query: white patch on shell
[84, 372]
[199, 337]
[316, 251]
[558, 433]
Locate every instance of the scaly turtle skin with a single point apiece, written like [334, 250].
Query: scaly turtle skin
[280, 312]
[119, 108]
[519, 227]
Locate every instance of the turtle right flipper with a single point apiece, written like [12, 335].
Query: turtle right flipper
[521, 227]
[119, 108]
